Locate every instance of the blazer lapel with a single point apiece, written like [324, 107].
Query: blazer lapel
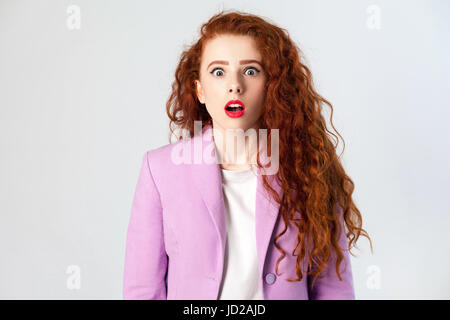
[266, 214]
[208, 179]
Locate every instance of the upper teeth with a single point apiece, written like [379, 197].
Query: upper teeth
[234, 105]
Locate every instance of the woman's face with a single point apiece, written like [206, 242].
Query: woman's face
[231, 69]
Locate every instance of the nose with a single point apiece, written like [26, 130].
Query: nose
[235, 84]
[235, 88]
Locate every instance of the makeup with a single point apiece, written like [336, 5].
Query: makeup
[234, 108]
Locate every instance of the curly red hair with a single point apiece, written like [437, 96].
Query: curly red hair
[310, 173]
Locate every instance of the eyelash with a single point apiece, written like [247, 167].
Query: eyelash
[217, 68]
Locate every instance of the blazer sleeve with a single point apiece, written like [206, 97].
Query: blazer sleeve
[145, 256]
[330, 287]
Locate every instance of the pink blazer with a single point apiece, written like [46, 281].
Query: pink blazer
[177, 234]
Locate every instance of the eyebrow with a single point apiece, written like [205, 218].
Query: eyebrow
[241, 62]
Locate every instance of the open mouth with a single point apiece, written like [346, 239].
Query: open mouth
[234, 109]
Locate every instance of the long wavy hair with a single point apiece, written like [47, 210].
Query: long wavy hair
[312, 178]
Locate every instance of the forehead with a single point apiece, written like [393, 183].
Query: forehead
[230, 47]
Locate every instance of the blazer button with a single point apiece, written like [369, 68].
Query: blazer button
[270, 278]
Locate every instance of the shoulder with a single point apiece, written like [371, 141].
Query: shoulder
[166, 172]
[161, 153]
[161, 156]
[168, 158]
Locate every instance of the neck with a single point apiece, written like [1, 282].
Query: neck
[235, 149]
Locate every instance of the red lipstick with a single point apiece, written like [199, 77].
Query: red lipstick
[234, 108]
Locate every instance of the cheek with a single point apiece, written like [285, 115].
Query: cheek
[261, 93]
[213, 94]
[259, 102]
[210, 91]
[259, 108]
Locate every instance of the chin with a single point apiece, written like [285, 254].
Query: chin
[235, 123]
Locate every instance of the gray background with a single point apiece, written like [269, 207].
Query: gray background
[80, 107]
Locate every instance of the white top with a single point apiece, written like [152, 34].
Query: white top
[241, 273]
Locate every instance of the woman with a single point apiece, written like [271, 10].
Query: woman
[202, 229]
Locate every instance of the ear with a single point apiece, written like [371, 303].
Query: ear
[199, 91]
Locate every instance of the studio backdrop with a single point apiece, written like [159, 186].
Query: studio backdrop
[83, 87]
